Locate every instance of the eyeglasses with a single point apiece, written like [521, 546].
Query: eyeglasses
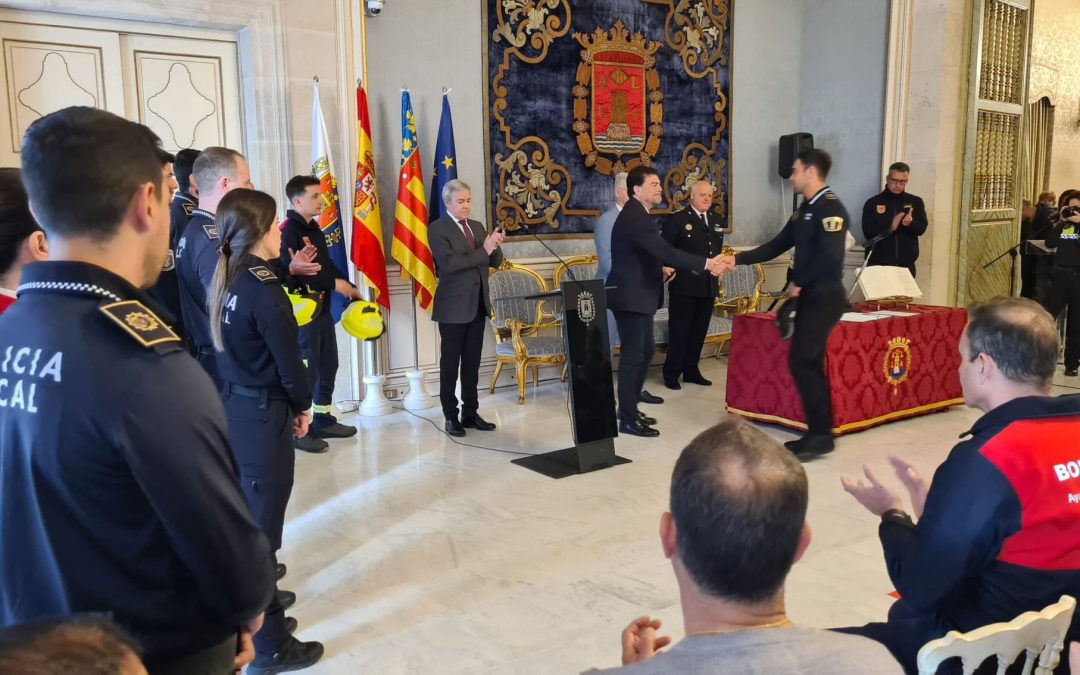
[896, 181]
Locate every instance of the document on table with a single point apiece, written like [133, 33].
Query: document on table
[893, 312]
[859, 317]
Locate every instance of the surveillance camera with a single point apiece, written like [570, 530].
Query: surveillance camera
[374, 7]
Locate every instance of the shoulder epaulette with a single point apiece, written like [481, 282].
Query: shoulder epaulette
[188, 208]
[211, 230]
[263, 274]
[141, 323]
[831, 195]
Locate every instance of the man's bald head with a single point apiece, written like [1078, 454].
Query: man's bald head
[1019, 335]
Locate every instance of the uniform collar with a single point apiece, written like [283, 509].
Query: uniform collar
[179, 196]
[204, 213]
[78, 278]
[1026, 407]
[818, 195]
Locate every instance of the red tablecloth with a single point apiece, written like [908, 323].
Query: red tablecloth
[878, 371]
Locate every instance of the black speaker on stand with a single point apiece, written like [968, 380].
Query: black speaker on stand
[791, 145]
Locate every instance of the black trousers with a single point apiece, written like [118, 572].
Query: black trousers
[1029, 276]
[906, 631]
[318, 344]
[460, 349]
[688, 323]
[820, 309]
[1063, 295]
[636, 342]
[260, 434]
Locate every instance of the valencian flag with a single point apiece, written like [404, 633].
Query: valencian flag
[367, 239]
[322, 168]
[410, 247]
[445, 161]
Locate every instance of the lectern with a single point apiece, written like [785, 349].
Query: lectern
[592, 394]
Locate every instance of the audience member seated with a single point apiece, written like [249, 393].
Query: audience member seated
[736, 526]
[84, 645]
[21, 239]
[997, 532]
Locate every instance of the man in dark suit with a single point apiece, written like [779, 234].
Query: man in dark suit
[638, 253]
[463, 251]
[691, 296]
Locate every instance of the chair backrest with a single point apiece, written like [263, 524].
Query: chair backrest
[1040, 635]
[511, 280]
[583, 266]
[743, 283]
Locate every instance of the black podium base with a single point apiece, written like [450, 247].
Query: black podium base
[572, 461]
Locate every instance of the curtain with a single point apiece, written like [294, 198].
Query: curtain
[1037, 146]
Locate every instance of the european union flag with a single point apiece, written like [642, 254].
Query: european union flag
[445, 163]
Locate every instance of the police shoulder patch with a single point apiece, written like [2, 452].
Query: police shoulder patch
[140, 322]
[210, 230]
[832, 224]
[263, 274]
[831, 195]
[170, 262]
[188, 207]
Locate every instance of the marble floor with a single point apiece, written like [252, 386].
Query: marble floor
[414, 554]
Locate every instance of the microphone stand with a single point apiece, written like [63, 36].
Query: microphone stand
[868, 249]
[1048, 226]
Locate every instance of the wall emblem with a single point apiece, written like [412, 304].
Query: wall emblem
[897, 363]
[586, 308]
[618, 104]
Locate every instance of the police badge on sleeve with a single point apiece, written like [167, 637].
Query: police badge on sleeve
[832, 224]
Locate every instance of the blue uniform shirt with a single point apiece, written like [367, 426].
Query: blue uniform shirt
[196, 258]
[118, 492]
[261, 338]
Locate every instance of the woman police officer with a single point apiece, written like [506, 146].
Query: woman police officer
[265, 388]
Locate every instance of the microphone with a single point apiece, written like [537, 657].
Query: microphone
[569, 271]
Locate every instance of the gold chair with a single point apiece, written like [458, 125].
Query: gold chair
[1039, 635]
[516, 322]
[740, 292]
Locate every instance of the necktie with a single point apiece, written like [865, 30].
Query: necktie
[468, 233]
[705, 220]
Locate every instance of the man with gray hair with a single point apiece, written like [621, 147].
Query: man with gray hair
[462, 251]
[736, 525]
[216, 171]
[604, 224]
[997, 532]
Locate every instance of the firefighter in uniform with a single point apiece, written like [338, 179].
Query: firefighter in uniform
[691, 296]
[818, 233]
[265, 388]
[117, 487]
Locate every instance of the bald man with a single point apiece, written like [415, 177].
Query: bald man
[691, 296]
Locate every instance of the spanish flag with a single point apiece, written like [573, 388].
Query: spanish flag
[410, 247]
[366, 250]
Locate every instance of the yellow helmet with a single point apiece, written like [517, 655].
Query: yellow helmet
[363, 320]
[304, 306]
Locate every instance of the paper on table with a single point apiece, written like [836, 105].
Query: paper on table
[893, 312]
[857, 317]
[879, 281]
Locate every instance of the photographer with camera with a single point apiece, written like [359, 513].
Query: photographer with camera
[1063, 293]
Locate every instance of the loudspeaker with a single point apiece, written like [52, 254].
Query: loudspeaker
[791, 145]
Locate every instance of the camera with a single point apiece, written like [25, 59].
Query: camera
[374, 7]
[1069, 212]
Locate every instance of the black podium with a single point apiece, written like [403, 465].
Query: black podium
[592, 393]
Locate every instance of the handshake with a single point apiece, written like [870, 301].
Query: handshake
[720, 265]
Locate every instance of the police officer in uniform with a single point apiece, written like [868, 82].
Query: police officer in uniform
[818, 232]
[266, 393]
[166, 292]
[216, 171]
[117, 488]
[1063, 291]
[691, 296]
[184, 200]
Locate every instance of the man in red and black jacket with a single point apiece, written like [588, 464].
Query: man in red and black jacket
[997, 533]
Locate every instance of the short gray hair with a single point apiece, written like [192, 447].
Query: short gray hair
[451, 187]
[1019, 335]
[213, 164]
[620, 180]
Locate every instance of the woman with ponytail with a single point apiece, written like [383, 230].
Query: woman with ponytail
[265, 389]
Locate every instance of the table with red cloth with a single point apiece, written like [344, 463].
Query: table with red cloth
[879, 371]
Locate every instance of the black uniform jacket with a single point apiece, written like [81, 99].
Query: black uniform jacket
[685, 231]
[901, 248]
[118, 493]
